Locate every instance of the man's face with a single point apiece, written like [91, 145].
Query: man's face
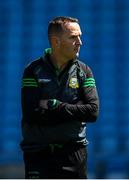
[70, 41]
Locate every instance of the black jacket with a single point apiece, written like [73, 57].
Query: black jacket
[75, 90]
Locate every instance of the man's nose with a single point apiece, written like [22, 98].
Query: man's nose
[79, 41]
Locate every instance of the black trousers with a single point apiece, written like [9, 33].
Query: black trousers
[57, 162]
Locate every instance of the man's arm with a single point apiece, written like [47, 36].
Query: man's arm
[89, 110]
[85, 111]
[30, 96]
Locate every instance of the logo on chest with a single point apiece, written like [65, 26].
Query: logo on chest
[73, 83]
[44, 80]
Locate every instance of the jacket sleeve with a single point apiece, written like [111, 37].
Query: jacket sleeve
[30, 95]
[88, 110]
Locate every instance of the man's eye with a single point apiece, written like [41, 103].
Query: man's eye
[72, 37]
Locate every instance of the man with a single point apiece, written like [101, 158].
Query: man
[59, 97]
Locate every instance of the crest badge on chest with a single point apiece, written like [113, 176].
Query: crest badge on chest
[73, 83]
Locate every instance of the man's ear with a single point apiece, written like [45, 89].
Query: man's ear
[54, 40]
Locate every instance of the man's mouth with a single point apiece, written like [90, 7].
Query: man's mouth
[77, 49]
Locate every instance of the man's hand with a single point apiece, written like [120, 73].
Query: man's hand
[49, 104]
[43, 104]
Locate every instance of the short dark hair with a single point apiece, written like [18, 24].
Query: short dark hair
[56, 25]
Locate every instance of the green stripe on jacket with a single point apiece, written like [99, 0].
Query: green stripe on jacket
[89, 82]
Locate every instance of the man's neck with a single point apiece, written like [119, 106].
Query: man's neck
[59, 62]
